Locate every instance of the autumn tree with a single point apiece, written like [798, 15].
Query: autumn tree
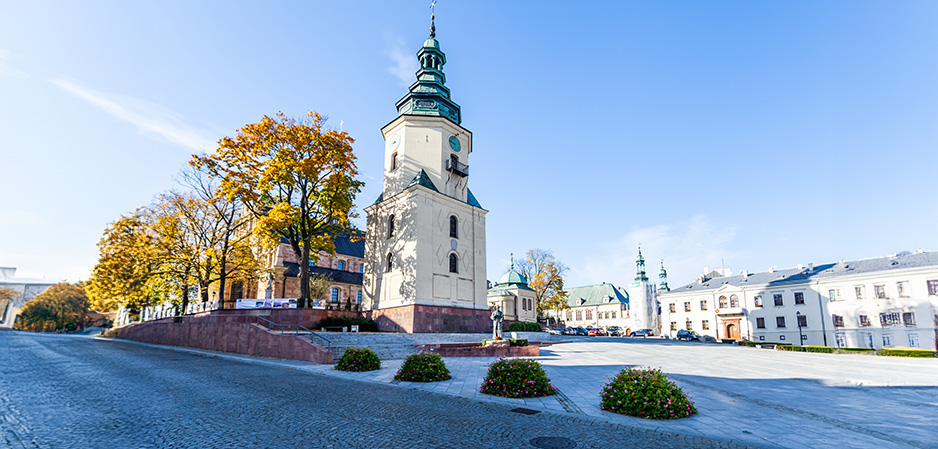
[126, 263]
[297, 178]
[62, 306]
[545, 276]
[6, 296]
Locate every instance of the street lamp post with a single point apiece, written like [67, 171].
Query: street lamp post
[800, 334]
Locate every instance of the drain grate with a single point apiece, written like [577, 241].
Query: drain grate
[553, 443]
[525, 411]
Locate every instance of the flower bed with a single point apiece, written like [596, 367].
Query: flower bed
[423, 367]
[517, 378]
[358, 359]
[646, 393]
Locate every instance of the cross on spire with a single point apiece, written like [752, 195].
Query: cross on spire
[432, 18]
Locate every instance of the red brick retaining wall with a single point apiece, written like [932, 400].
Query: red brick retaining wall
[308, 318]
[476, 350]
[239, 338]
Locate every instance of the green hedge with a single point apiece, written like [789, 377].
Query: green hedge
[822, 349]
[907, 352]
[751, 344]
[511, 341]
[728, 341]
[364, 324]
[524, 326]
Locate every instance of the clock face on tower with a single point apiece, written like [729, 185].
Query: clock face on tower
[394, 140]
[454, 143]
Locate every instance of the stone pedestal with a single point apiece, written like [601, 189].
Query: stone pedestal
[497, 343]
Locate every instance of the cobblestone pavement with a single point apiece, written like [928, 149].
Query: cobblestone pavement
[60, 391]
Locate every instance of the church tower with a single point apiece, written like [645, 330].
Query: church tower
[642, 300]
[425, 234]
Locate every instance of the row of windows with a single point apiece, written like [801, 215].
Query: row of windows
[335, 296]
[733, 302]
[780, 322]
[453, 226]
[610, 315]
[879, 291]
[453, 263]
[704, 324]
[885, 319]
[340, 265]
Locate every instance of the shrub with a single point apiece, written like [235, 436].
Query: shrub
[751, 344]
[646, 393]
[423, 367]
[358, 359]
[517, 378]
[907, 352]
[511, 341]
[728, 341]
[364, 324]
[856, 350]
[525, 326]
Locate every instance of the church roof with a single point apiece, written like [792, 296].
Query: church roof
[595, 295]
[423, 180]
[499, 292]
[471, 199]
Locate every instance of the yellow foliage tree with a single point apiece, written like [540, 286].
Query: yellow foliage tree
[545, 276]
[125, 265]
[62, 306]
[296, 177]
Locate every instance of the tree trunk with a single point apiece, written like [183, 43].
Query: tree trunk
[185, 294]
[304, 278]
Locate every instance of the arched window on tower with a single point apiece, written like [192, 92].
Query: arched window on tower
[394, 162]
[453, 263]
[390, 264]
[391, 226]
[453, 227]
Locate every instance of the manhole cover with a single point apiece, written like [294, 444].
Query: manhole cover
[553, 443]
[525, 411]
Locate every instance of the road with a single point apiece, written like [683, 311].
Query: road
[62, 391]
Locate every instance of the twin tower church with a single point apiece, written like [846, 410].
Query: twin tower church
[424, 247]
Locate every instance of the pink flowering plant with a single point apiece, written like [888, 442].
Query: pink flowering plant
[358, 359]
[517, 378]
[646, 393]
[423, 367]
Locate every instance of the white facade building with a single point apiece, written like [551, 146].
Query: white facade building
[25, 289]
[872, 303]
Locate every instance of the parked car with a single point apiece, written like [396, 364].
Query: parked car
[614, 331]
[581, 331]
[642, 333]
[688, 335]
[553, 331]
[568, 331]
[595, 332]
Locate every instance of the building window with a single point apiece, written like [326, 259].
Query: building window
[932, 287]
[703, 304]
[394, 162]
[671, 308]
[838, 321]
[734, 301]
[358, 297]
[889, 319]
[705, 325]
[880, 291]
[762, 338]
[760, 323]
[834, 294]
[453, 264]
[391, 226]
[913, 340]
[361, 268]
[757, 300]
[778, 299]
[453, 227]
[390, 264]
[589, 314]
[859, 291]
[908, 318]
[864, 321]
[722, 302]
[903, 288]
[688, 325]
[613, 315]
[674, 325]
[687, 306]
[579, 315]
[802, 320]
[799, 298]
[335, 295]
[340, 265]
[887, 340]
[780, 321]
[781, 337]
[569, 316]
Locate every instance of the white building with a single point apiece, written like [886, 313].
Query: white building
[514, 296]
[425, 236]
[25, 289]
[872, 303]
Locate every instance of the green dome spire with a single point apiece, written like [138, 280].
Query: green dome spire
[663, 278]
[428, 95]
[640, 267]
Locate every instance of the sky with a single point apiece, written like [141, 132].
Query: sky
[724, 133]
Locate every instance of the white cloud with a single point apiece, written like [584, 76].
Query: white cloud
[6, 67]
[686, 247]
[150, 118]
[404, 62]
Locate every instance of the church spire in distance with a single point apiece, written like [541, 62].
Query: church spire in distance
[663, 278]
[429, 95]
[640, 267]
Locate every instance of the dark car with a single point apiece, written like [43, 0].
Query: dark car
[642, 333]
[688, 335]
[568, 331]
[581, 331]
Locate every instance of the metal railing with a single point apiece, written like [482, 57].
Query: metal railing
[250, 319]
[457, 168]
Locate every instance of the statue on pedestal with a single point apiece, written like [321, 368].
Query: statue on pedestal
[497, 318]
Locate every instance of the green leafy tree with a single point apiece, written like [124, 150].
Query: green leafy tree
[296, 177]
[62, 306]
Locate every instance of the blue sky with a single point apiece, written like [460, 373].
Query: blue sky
[750, 134]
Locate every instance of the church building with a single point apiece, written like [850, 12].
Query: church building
[425, 234]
